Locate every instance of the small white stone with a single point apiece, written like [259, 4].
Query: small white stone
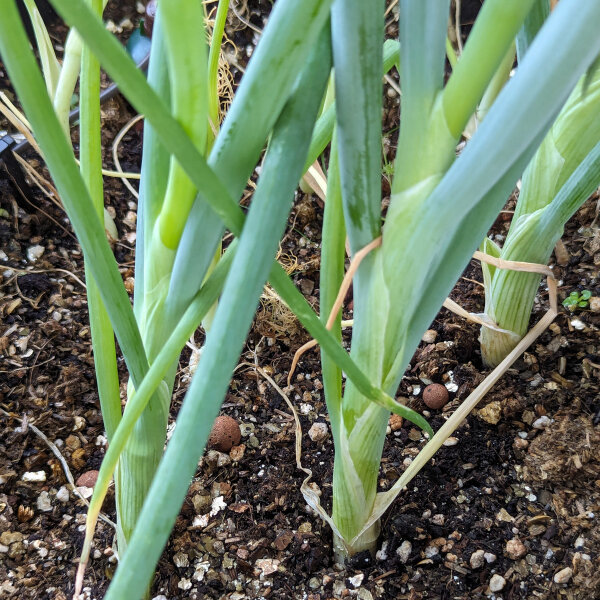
[305, 408]
[43, 502]
[403, 551]
[202, 568]
[451, 441]
[318, 432]
[578, 324]
[563, 576]
[181, 560]
[497, 583]
[218, 504]
[579, 543]
[356, 580]
[85, 492]
[184, 584]
[35, 252]
[438, 519]
[63, 494]
[489, 557]
[477, 559]
[429, 336]
[431, 551]
[382, 554]
[542, 422]
[34, 476]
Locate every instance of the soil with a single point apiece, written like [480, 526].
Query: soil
[516, 497]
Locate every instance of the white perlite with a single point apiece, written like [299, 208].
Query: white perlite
[34, 252]
[563, 576]
[403, 551]
[63, 494]
[34, 476]
[477, 559]
[497, 583]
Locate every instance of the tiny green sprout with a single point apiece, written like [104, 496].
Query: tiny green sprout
[577, 300]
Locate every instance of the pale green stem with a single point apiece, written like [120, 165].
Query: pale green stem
[103, 342]
[494, 32]
[67, 80]
[213, 70]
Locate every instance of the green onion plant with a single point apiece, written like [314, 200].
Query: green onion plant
[559, 179]
[194, 172]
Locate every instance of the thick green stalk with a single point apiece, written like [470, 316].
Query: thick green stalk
[183, 24]
[159, 370]
[324, 126]
[258, 244]
[542, 210]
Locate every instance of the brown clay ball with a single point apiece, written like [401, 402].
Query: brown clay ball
[88, 479]
[225, 434]
[435, 396]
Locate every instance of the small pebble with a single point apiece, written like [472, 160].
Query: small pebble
[515, 549]
[451, 441]
[184, 584]
[435, 396]
[382, 553]
[43, 502]
[404, 550]
[489, 557]
[34, 252]
[563, 576]
[429, 336]
[356, 580]
[63, 494]
[318, 432]
[542, 422]
[34, 476]
[576, 323]
[497, 583]
[520, 443]
[477, 559]
[314, 583]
